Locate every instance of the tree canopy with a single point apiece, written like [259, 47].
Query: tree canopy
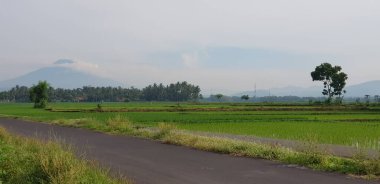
[180, 91]
[334, 80]
[39, 94]
[244, 97]
[219, 96]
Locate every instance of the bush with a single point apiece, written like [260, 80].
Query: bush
[164, 130]
[119, 123]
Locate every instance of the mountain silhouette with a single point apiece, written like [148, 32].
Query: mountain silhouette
[60, 77]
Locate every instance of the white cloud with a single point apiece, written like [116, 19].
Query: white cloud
[190, 60]
[85, 66]
[81, 66]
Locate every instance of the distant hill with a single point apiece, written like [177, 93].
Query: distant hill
[359, 90]
[59, 76]
[367, 88]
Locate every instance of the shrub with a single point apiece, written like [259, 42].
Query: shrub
[164, 129]
[119, 123]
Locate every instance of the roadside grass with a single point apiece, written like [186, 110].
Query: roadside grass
[25, 160]
[358, 166]
[119, 123]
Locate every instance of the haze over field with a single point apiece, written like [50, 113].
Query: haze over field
[223, 46]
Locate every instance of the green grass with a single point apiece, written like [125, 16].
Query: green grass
[26, 161]
[343, 126]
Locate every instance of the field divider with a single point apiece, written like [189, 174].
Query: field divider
[336, 150]
[310, 156]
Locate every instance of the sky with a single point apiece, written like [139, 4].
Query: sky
[221, 45]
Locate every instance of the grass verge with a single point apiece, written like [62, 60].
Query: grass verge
[357, 166]
[25, 160]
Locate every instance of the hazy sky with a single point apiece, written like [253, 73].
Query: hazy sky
[218, 44]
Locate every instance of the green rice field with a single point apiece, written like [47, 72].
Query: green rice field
[344, 125]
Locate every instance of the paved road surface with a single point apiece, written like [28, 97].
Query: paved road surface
[147, 161]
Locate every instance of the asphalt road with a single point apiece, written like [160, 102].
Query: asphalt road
[146, 161]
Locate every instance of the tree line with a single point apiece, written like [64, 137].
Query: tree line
[180, 91]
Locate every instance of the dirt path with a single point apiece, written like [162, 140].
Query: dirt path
[148, 161]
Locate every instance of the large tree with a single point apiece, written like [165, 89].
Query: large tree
[245, 97]
[39, 94]
[334, 80]
[219, 96]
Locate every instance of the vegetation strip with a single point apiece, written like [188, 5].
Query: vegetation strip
[336, 150]
[25, 160]
[359, 166]
[179, 109]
